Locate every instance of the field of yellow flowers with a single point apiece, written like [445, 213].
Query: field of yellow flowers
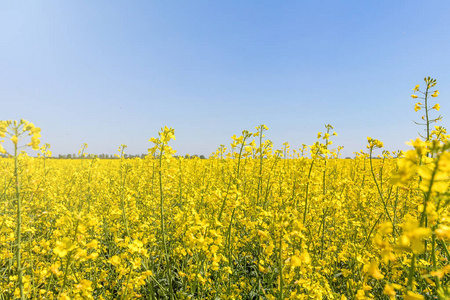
[250, 222]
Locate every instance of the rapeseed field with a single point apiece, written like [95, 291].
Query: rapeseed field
[249, 222]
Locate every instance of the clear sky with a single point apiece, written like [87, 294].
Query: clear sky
[113, 72]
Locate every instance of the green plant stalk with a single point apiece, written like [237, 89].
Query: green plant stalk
[180, 184]
[422, 221]
[260, 167]
[381, 194]
[324, 191]
[66, 271]
[371, 230]
[426, 113]
[234, 210]
[122, 198]
[163, 230]
[433, 256]
[268, 184]
[230, 227]
[237, 177]
[280, 264]
[69, 259]
[428, 194]
[444, 247]
[411, 272]
[89, 186]
[126, 285]
[19, 220]
[323, 233]
[224, 200]
[307, 190]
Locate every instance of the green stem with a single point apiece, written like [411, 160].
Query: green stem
[260, 167]
[19, 220]
[307, 190]
[169, 275]
[433, 256]
[122, 198]
[426, 113]
[280, 263]
[381, 194]
[422, 221]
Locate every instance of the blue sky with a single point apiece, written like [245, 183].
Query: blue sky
[113, 72]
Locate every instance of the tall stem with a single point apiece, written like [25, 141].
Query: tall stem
[426, 113]
[122, 198]
[19, 219]
[169, 275]
[280, 263]
[307, 191]
[381, 194]
[260, 167]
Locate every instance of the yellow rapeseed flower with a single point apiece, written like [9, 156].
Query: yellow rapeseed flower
[413, 296]
[63, 247]
[417, 106]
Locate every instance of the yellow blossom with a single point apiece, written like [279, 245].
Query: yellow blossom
[374, 271]
[114, 260]
[413, 296]
[417, 106]
[63, 247]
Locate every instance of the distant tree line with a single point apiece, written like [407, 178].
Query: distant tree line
[110, 156]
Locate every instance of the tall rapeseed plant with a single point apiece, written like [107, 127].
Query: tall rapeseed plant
[165, 152]
[17, 131]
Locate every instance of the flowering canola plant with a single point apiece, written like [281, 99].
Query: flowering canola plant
[250, 222]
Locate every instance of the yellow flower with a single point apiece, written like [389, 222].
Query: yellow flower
[55, 269]
[413, 296]
[80, 254]
[84, 285]
[305, 257]
[63, 247]
[115, 260]
[389, 291]
[413, 96]
[435, 94]
[417, 106]
[93, 255]
[214, 249]
[413, 235]
[436, 106]
[63, 296]
[296, 261]
[416, 88]
[14, 139]
[443, 232]
[374, 143]
[262, 234]
[374, 271]
[136, 246]
[92, 244]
